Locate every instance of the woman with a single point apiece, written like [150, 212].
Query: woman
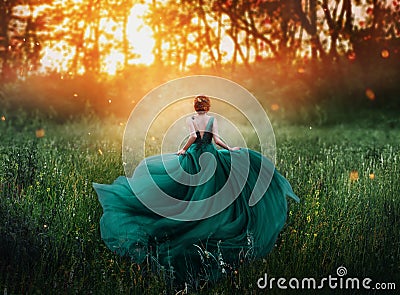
[230, 204]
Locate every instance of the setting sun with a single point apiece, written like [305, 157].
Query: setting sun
[58, 56]
[140, 35]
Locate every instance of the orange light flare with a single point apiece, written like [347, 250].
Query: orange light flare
[275, 107]
[385, 53]
[371, 175]
[40, 133]
[3, 118]
[370, 94]
[353, 175]
[351, 55]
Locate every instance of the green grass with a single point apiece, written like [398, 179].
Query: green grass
[49, 213]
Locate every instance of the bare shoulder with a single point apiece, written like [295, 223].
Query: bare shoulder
[215, 121]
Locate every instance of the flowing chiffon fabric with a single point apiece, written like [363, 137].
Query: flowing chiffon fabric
[129, 228]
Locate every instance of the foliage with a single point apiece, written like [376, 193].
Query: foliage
[77, 37]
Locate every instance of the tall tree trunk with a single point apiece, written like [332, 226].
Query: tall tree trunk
[158, 60]
[31, 44]
[208, 32]
[125, 41]
[313, 22]
[5, 17]
[219, 33]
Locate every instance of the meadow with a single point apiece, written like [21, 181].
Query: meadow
[347, 176]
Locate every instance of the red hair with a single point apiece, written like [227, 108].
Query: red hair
[202, 103]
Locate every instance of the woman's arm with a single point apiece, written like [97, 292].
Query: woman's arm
[191, 139]
[218, 140]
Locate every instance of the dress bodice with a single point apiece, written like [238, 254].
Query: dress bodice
[207, 135]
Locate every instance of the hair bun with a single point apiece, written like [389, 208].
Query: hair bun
[201, 103]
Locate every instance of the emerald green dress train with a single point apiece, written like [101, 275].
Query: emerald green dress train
[227, 206]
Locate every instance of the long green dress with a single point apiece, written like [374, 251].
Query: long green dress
[196, 239]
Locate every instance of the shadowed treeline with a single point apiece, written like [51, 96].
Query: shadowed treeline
[318, 93]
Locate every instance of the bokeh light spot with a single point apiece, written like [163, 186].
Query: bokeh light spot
[385, 53]
[40, 133]
[370, 94]
[275, 107]
[351, 55]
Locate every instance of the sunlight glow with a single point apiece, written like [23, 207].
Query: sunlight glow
[112, 62]
[140, 35]
[56, 58]
[106, 42]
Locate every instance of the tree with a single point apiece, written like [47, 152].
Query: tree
[20, 45]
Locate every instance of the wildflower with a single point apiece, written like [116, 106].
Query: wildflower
[371, 176]
[40, 133]
[100, 152]
[353, 175]
[308, 218]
